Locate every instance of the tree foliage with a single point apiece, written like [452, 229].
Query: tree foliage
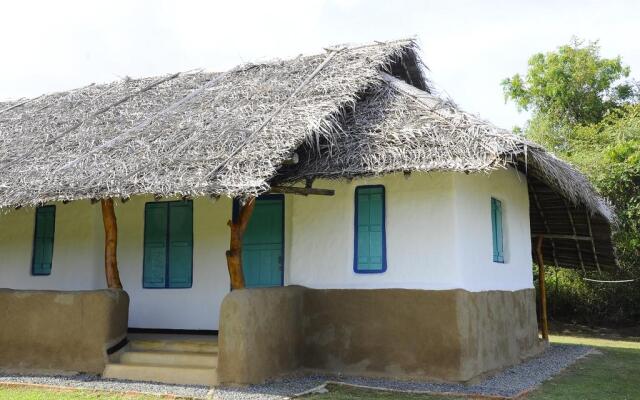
[573, 84]
[609, 153]
[587, 110]
[569, 86]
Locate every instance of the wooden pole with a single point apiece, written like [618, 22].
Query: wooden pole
[110, 244]
[543, 290]
[234, 254]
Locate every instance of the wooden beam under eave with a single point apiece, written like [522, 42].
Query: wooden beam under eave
[543, 290]
[569, 237]
[234, 254]
[303, 191]
[110, 244]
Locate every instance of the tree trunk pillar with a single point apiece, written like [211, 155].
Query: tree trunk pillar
[110, 244]
[543, 290]
[234, 254]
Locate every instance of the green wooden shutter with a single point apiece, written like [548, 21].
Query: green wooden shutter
[155, 245]
[496, 227]
[370, 251]
[180, 244]
[43, 240]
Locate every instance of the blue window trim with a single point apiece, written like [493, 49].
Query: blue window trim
[498, 243]
[384, 232]
[33, 246]
[167, 266]
[235, 210]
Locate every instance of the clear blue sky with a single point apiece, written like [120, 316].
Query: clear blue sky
[469, 46]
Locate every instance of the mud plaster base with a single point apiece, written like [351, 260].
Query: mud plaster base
[60, 331]
[445, 335]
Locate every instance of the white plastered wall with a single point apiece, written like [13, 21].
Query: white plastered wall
[197, 307]
[473, 226]
[419, 234]
[438, 231]
[78, 262]
[75, 265]
[438, 228]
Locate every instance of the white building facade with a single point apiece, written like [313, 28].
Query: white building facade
[438, 235]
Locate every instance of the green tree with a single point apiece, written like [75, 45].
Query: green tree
[572, 85]
[609, 153]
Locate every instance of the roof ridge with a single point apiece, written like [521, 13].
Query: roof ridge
[412, 41]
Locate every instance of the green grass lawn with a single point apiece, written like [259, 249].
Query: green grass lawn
[612, 375]
[38, 393]
[615, 374]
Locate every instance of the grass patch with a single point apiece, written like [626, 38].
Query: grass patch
[10, 392]
[342, 392]
[612, 375]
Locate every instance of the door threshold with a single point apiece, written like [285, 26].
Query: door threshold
[204, 332]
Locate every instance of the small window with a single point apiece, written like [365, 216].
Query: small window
[370, 241]
[168, 245]
[43, 240]
[496, 227]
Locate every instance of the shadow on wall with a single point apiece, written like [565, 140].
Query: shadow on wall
[53, 331]
[450, 335]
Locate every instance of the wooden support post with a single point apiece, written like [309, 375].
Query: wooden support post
[234, 254]
[110, 244]
[543, 290]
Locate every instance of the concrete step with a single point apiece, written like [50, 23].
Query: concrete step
[165, 374]
[170, 358]
[181, 346]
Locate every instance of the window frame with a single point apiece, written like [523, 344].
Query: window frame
[167, 281]
[356, 269]
[497, 257]
[33, 245]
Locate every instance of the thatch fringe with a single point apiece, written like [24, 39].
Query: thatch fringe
[400, 128]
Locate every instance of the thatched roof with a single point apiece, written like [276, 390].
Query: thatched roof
[399, 128]
[185, 134]
[349, 112]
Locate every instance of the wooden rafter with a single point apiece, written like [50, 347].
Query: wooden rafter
[593, 243]
[569, 237]
[573, 227]
[546, 225]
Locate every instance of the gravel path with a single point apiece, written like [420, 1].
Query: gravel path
[93, 382]
[507, 383]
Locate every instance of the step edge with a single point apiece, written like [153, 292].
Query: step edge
[117, 365]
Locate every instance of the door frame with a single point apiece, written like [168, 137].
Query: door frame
[235, 211]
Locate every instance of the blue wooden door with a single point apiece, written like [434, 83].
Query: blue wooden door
[263, 244]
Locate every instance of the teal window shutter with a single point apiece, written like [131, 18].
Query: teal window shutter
[370, 236]
[180, 244]
[43, 240]
[496, 228]
[168, 245]
[155, 245]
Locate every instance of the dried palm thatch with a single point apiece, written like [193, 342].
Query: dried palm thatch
[186, 134]
[399, 128]
[350, 112]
